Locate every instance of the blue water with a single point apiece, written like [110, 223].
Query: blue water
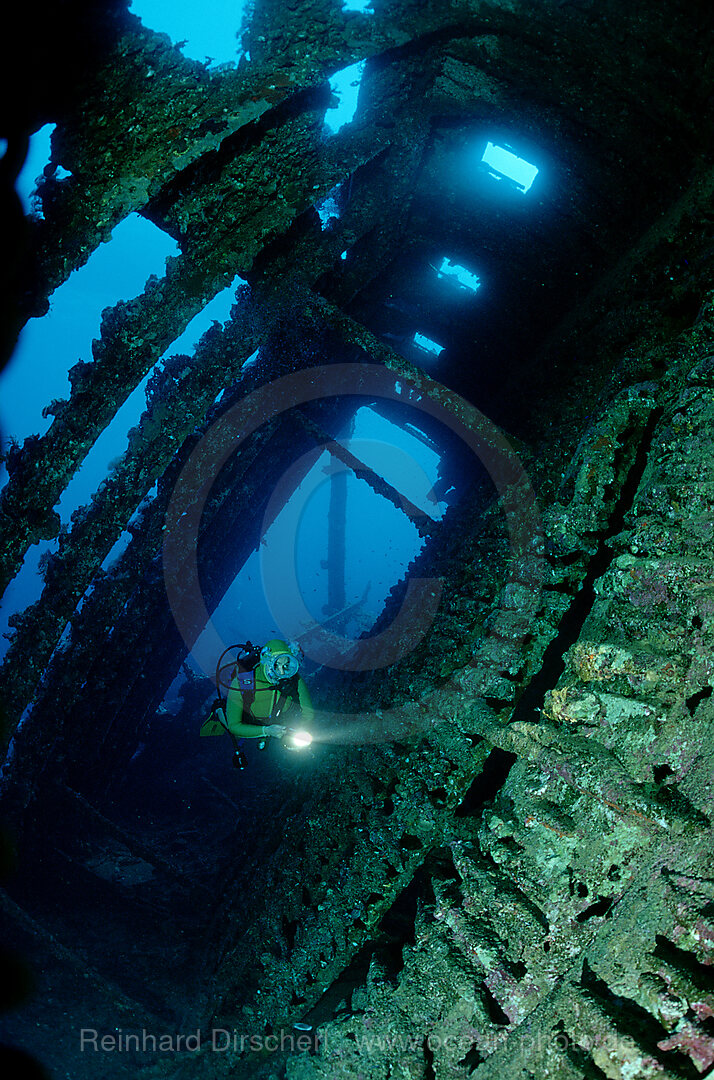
[380, 539]
[208, 32]
[345, 86]
[50, 346]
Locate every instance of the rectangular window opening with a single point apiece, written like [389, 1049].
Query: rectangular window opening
[464, 278]
[427, 345]
[504, 164]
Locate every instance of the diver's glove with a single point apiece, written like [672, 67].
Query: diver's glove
[275, 730]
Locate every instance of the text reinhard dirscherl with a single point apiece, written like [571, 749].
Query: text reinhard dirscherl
[218, 1040]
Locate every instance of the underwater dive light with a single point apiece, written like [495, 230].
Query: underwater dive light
[296, 740]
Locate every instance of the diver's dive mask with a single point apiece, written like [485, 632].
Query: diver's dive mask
[281, 665]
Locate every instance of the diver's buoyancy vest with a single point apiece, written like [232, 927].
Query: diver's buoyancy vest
[285, 689]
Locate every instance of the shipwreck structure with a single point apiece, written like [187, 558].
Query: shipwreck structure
[507, 870]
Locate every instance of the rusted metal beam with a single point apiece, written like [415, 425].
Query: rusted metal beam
[424, 525]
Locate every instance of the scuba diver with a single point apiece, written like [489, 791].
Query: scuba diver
[265, 698]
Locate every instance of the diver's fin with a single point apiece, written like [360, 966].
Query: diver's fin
[212, 727]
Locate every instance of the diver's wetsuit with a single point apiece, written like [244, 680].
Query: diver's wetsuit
[245, 711]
